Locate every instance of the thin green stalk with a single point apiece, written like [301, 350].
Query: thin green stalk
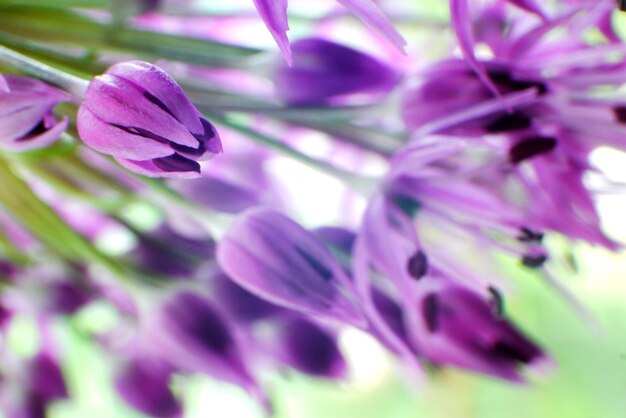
[73, 85]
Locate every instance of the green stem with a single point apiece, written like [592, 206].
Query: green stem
[73, 85]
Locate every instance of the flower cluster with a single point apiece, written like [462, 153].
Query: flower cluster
[156, 193]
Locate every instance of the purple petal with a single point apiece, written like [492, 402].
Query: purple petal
[240, 304]
[275, 258]
[191, 334]
[122, 103]
[372, 16]
[324, 71]
[144, 384]
[161, 90]
[274, 14]
[103, 137]
[150, 169]
[46, 378]
[311, 349]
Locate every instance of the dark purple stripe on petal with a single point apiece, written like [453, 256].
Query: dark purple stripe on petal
[534, 261]
[430, 310]
[509, 122]
[153, 99]
[620, 112]
[418, 265]
[531, 147]
[176, 163]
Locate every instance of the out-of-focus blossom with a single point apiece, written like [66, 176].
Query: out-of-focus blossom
[137, 113]
[238, 303]
[188, 332]
[325, 72]
[274, 14]
[26, 118]
[166, 253]
[309, 348]
[275, 258]
[459, 327]
[28, 392]
[143, 382]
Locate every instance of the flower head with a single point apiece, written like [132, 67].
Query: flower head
[457, 326]
[324, 72]
[272, 256]
[26, 118]
[137, 113]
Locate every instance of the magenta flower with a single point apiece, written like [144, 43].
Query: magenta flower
[459, 327]
[143, 382]
[310, 349]
[26, 118]
[274, 14]
[325, 72]
[137, 113]
[272, 256]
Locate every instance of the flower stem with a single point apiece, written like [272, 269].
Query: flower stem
[73, 85]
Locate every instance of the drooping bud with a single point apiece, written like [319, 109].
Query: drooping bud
[460, 328]
[137, 113]
[311, 349]
[26, 118]
[143, 383]
[275, 258]
[324, 72]
[190, 333]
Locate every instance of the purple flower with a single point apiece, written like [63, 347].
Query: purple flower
[274, 14]
[45, 378]
[164, 252]
[275, 258]
[143, 383]
[238, 303]
[311, 349]
[457, 326]
[26, 118]
[324, 72]
[137, 113]
[189, 333]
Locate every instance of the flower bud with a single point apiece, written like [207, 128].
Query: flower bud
[275, 258]
[324, 72]
[459, 327]
[143, 383]
[137, 113]
[26, 119]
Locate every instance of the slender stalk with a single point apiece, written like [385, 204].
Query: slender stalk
[73, 85]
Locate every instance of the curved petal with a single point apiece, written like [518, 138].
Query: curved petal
[274, 14]
[164, 91]
[372, 16]
[108, 139]
[275, 258]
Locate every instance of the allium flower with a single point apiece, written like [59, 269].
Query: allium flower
[275, 258]
[188, 332]
[311, 349]
[459, 327]
[137, 113]
[274, 14]
[238, 303]
[26, 118]
[324, 72]
[143, 382]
